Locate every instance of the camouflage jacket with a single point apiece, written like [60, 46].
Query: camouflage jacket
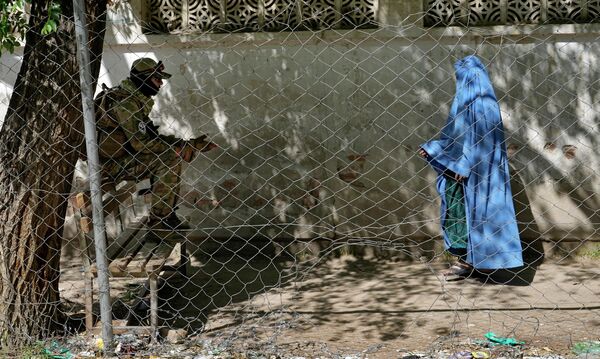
[126, 127]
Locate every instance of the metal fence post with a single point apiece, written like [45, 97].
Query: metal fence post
[87, 95]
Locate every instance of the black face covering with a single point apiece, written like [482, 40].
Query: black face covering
[144, 83]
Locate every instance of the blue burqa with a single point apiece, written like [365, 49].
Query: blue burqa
[472, 145]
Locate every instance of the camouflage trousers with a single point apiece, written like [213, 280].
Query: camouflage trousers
[163, 170]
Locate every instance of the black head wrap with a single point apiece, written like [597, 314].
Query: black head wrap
[142, 72]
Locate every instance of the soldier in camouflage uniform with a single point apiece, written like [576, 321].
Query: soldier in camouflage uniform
[129, 143]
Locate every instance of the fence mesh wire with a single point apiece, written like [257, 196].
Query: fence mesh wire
[314, 226]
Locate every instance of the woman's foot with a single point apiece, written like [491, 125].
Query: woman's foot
[458, 271]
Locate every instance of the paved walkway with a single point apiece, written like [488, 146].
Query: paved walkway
[385, 306]
[353, 304]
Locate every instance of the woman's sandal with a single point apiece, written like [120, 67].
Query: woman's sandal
[457, 272]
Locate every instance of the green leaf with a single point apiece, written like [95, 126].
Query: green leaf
[47, 29]
[51, 25]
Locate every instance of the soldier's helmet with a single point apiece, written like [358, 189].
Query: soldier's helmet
[146, 67]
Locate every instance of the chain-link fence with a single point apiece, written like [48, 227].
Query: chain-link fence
[307, 223]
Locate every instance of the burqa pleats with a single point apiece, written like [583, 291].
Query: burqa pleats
[472, 145]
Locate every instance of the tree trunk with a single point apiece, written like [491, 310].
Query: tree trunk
[40, 141]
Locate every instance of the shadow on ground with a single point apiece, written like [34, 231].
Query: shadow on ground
[267, 286]
[264, 293]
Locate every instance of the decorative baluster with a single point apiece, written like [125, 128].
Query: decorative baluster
[185, 16]
[503, 11]
[544, 11]
[584, 11]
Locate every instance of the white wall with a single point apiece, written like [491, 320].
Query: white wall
[9, 68]
[318, 131]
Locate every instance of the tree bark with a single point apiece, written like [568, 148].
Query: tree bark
[40, 141]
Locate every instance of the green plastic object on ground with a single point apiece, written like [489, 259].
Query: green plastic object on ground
[502, 341]
[591, 347]
[57, 352]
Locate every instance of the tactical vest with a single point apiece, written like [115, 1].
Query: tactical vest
[112, 141]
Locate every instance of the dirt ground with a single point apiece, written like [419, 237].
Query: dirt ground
[340, 303]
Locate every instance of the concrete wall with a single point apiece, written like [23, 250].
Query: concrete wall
[318, 131]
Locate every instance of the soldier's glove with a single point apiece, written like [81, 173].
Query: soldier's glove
[202, 144]
[185, 151]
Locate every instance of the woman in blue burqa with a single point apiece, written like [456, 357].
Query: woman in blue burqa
[477, 211]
